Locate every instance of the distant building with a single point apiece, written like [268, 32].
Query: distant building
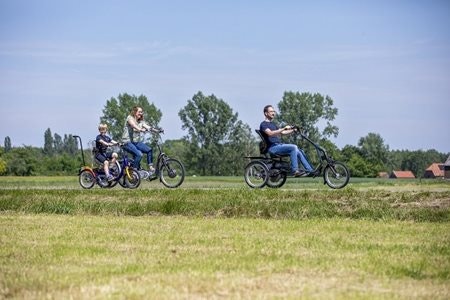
[402, 174]
[447, 168]
[435, 170]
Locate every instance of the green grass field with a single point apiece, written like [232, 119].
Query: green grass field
[216, 238]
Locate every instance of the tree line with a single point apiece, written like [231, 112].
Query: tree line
[217, 142]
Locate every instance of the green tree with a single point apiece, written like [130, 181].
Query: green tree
[211, 124]
[241, 143]
[2, 163]
[70, 144]
[58, 145]
[3, 169]
[373, 149]
[48, 142]
[7, 144]
[23, 161]
[308, 111]
[359, 167]
[117, 109]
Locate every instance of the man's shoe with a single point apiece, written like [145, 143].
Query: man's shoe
[299, 173]
[110, 178]
[313, 173]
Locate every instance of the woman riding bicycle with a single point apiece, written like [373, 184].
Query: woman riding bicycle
[131, 137]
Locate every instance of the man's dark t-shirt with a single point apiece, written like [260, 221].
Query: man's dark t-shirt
[273, 139]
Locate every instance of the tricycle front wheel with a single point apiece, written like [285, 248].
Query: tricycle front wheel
[336, 175]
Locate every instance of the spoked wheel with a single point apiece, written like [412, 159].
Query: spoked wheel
[171, 173]
[102, 180]
[86, 179]
[131, 178]
[114, 170]
[277, 178]
[256, 174]
[336, 175]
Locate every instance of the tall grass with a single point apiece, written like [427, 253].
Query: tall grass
[278, 204]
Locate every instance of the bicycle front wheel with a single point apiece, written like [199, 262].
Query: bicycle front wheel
[171, 173]
[336, 175]
[131, 178]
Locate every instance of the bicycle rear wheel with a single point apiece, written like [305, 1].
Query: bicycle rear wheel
[277, 178]
[256, 174]
[171, 173]
[336, 175]
[115, 170]
[86, 179]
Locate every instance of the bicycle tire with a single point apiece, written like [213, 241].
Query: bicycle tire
[276, 179]
[171, 173]
[256, 174]
[131, 178]
[86, 179]
[336, 175]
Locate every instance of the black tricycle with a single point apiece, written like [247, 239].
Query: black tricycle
[272, 170]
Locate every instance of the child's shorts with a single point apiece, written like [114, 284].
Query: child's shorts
[101, 157]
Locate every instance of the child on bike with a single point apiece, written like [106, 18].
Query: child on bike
[102, 142]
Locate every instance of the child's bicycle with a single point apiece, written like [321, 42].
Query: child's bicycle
[273, 170]
[126, 176]
[170, 171]
[121, 171]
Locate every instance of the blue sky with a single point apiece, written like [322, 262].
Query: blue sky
[386, 64]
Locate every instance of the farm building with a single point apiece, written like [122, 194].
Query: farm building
[447, 168]
[402, 174]
[435, 170]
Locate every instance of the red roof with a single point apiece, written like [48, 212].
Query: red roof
[436, 169]
[402, 174]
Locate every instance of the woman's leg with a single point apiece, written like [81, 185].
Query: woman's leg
[146, 149]
[137, 155]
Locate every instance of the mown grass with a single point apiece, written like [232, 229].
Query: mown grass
[159, 257]
[223, 240]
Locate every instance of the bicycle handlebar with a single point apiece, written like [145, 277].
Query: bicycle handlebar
[157, 130]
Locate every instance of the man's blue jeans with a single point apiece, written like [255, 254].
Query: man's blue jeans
[136, 149]
[294, 153]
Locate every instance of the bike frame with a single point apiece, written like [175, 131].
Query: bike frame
[175, 169]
